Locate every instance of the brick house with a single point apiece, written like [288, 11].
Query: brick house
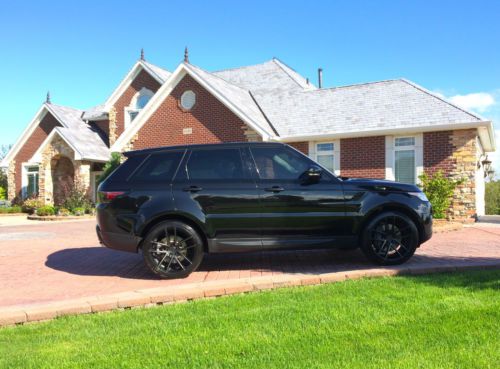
[390, 129]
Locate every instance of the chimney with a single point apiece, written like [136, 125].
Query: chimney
[320, 77]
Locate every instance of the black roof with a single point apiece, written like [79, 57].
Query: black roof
[197, 146]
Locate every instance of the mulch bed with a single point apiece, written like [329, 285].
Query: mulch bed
[59, 217]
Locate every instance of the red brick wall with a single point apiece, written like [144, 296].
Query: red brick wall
[32, 144]
[438, 150]
[363, 157]
[209, 119]
[301, 146]
[143, 79]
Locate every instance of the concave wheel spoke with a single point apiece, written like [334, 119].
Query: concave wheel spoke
[179, 262]
[187, 259]
[161, 262]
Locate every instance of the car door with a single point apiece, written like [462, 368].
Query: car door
[215, 184]
[297, 213]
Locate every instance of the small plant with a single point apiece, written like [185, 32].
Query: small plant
[75, 196]
[10, 210]
[29, 205]
[45, 210]
[79, 211]
[63, 212]
[439, 190]
[3, 193]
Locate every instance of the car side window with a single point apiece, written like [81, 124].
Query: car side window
[279, 163]
[215, 164]
[157, 168]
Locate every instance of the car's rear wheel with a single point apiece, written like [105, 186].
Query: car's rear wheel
[172, 249]
[390, 238]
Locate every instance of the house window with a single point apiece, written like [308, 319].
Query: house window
[404, 160]
[139, 101]
[188, 99]
[31, 181]
[325, 155]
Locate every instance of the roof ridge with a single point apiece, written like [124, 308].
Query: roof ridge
[243, 67]
[423, 89]
[282, 66]
[218, 77]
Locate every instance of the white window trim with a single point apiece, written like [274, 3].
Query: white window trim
[24, 177]
[132, 106]
[336, 153]
[390, 155]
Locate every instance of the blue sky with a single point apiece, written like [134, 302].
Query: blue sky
[81, 50]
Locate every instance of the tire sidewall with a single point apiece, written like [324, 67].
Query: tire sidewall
[198, 250]
[366, 243]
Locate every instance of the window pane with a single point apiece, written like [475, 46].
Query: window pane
[142, 101]
[405, 141]
[158, 168]
[132, 115]
[215, 164]
[126, 169]
[278, 163]
[32, 184]
[324, 147]
[326, 161]
[405, 166]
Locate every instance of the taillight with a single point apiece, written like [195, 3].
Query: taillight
[108, 196]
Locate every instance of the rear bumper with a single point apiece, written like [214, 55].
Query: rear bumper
[118, 241]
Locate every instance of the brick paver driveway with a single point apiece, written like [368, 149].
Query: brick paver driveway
[46, 262]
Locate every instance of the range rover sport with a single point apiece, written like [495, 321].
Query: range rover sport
[177, 203]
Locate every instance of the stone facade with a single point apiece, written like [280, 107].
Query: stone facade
[112, 126]
[11, 180]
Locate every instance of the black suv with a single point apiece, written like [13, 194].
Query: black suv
[176, 203]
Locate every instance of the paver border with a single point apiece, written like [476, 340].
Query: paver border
[21, 314]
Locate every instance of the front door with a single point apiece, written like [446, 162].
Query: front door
[216, 185]
[296, 213]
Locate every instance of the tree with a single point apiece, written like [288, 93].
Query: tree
[110, 166]
[4, 149]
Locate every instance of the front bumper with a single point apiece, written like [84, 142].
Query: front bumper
[118, 241]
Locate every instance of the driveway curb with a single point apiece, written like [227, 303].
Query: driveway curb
[21, 314]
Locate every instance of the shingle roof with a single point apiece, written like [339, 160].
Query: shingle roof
[271, 76]
[95, 113]
[365, 107]
[161, 73]
[80, 135]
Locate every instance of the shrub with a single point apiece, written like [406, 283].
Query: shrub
[75, 196]
[63, 212]
[79, 211]
[10, 210]
[110, 166]
[3, 193]
[46, 210]
[439, 190]
[29, 205]
[492, 198]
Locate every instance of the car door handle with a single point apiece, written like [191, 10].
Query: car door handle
[192, 189]
[274, 189]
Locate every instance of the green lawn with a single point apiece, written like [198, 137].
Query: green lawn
[435, 321]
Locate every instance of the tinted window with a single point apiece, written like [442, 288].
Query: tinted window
[279, 163]
[126, 169]
[215, 164]
[158, 167]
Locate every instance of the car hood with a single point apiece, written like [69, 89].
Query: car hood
[381, 185]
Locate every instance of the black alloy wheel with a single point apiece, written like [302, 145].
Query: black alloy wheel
[172, 249]
[390, 238]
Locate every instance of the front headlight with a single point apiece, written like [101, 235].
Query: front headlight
[420, 195]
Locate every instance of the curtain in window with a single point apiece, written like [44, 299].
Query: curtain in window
[405, 166]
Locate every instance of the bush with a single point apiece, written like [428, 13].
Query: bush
[110, 166]
[79, 211]
[63, 212]
[439, 190]
[29, 205]
[492, 198]
[3, 193]
[46, 210]
[10, 210]
[75, 196]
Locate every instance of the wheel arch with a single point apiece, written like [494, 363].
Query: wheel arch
[175, 216]
[397, 208]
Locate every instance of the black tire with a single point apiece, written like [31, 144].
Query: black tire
[390, 238]
[172, 249]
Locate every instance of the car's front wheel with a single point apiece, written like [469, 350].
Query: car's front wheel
[172, 249]
[390, 238]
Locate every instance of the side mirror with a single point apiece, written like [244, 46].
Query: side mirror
[312, 175]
